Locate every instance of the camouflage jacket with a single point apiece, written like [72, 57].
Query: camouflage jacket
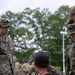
[70, 63]
[7, 45]
[51, 71]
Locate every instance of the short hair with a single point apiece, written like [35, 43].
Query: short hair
[41, 59]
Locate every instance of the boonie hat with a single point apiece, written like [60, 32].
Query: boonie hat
[4, 22]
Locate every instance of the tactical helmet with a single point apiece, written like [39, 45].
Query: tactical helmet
[4, 22]
[71, 29]
[71, 13]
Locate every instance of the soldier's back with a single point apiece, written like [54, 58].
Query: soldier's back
[53, 70]
[50, 71]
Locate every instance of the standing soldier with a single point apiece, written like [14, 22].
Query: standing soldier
[71, 15]
[6, 47]
[70, 62]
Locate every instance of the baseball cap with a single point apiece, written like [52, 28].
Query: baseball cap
[41, 59]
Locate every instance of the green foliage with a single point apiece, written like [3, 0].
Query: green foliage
[38, 29]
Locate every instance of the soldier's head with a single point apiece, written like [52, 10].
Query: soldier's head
[71, 31]
[41, 59]
[71, 15]
[4, 26]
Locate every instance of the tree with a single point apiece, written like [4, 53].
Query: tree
[38, 30]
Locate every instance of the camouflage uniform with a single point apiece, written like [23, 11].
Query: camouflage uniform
[70, 62]
[26, 67]
[71, 55]
[51, 71]
[7, 45]
[18, 68]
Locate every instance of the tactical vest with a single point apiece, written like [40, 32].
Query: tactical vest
[5, 62]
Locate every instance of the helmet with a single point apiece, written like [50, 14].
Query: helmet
[4, 22]
[71, 12]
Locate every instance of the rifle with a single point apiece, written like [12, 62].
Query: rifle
[3, 52]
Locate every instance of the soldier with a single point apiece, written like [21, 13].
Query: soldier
[70, 62]
[71, 15]
[6, 47]
[42, 65]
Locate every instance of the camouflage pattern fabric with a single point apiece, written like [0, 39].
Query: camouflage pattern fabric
[18, 68]
[4, 22]
[36, 73]
[71, 65]
[32, 71]
[51, 71]
[7, 45]
[26, 67]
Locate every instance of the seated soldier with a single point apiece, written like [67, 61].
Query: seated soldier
[42, 65]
